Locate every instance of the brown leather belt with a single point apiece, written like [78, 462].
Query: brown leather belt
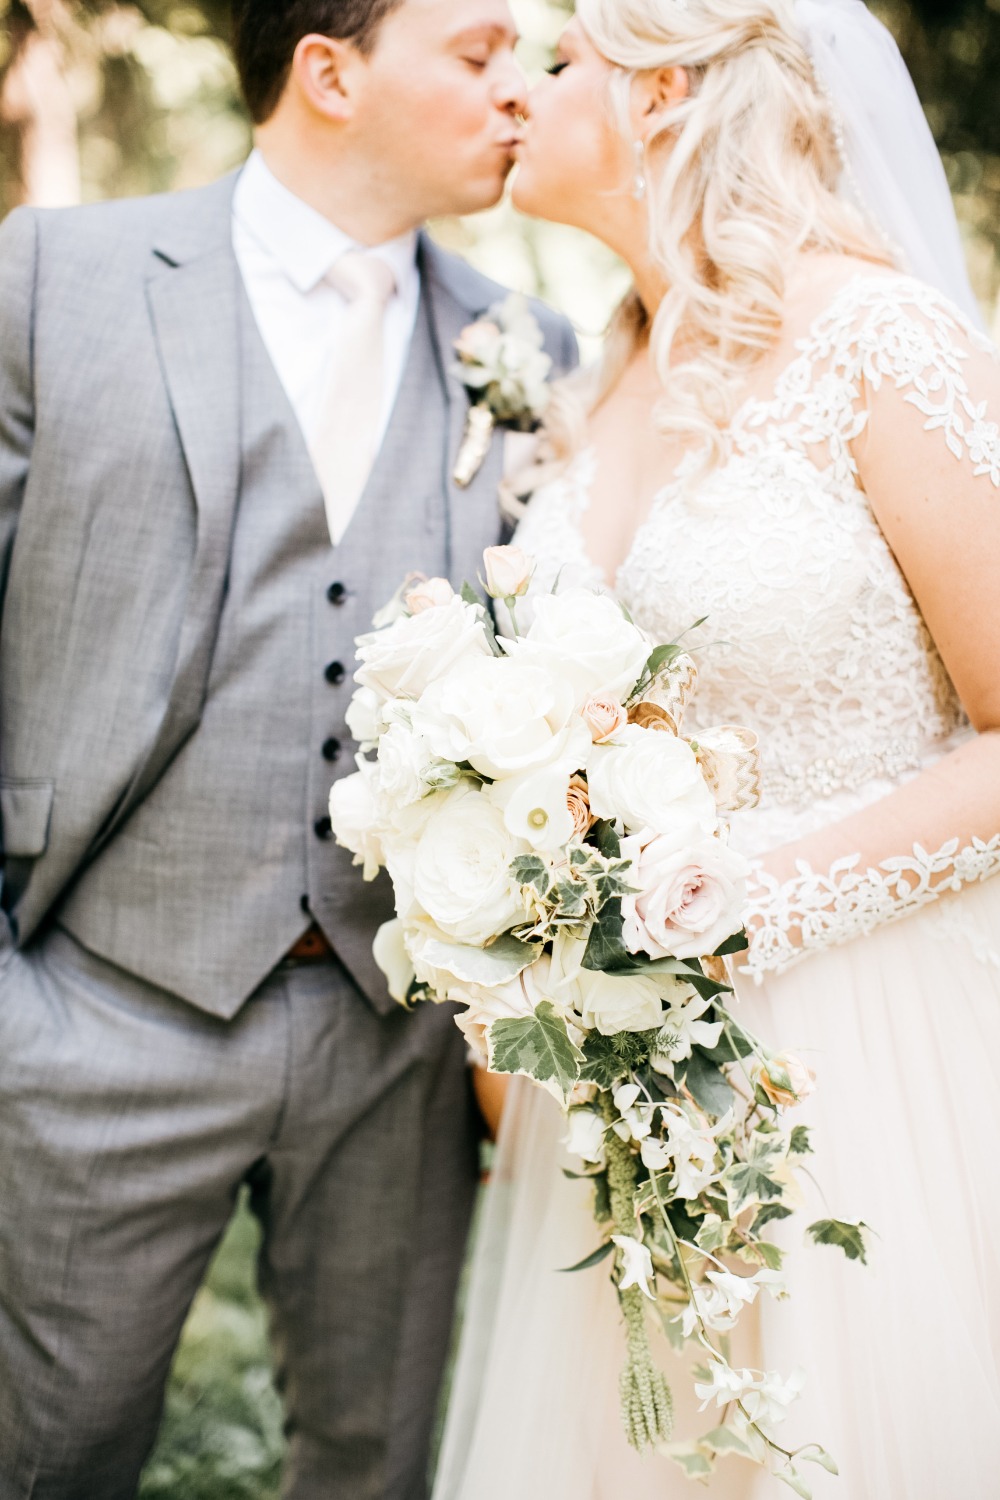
[311, 948]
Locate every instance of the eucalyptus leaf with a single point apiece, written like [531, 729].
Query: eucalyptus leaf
[709, 1086]
[601, 1253]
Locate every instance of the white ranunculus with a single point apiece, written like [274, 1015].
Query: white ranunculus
[536, 807]
[502, 715]
[355, 815]
[363, 718]
[404, 758]
[650, 781]
[461, 868]
[691, 893]
[585, 1136]
[586, 640]
[400, 661]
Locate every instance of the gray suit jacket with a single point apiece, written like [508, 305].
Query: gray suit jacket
[119, 475]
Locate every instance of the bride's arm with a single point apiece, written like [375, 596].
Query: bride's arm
[929, 462]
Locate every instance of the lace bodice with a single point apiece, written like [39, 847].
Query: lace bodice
[813, 638]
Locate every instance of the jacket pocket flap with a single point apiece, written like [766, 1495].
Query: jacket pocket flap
[25, 813]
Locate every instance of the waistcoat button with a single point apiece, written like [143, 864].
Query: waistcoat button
[323, 828]
[331, 749]
[335, 673]
[336, 593]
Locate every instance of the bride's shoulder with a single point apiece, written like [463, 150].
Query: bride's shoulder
[842, 300]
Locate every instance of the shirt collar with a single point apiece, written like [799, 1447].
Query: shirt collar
[302, 242]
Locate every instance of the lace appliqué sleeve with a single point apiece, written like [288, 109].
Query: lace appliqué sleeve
[790, 920]
[917, 341]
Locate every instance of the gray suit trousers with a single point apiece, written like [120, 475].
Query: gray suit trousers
[128, 1121]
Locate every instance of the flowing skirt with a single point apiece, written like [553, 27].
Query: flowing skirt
[902, 1357]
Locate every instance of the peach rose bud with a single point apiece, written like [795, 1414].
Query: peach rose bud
[786, 1080]
[429, 594]
[604, 717]
[579, 807]
[508, 572]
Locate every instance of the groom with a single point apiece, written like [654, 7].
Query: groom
[228, 425]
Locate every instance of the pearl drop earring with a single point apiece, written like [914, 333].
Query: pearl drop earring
[639, 176]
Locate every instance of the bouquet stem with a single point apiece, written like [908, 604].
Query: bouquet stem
[647, 1403]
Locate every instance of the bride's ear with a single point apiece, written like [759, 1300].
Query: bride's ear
[657, 92]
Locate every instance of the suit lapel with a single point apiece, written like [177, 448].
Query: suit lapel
[474, 513]
[193, 294]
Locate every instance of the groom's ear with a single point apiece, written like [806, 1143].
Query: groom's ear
[327, 74]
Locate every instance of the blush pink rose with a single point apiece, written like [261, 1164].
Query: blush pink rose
[691, 893]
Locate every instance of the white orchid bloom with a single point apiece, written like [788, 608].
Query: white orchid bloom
[638, 1264]
[683, 1030]
[727, 1385]
[636, 1121]
[767, 1404]
[736, 1292]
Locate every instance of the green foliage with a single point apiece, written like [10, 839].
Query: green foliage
[537, 1046]
[847, 1237]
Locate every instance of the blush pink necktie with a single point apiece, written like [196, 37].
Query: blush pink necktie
[344, 444]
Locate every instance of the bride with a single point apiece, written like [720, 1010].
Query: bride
[793, 436]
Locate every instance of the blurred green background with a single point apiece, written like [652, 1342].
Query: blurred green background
[100, 99]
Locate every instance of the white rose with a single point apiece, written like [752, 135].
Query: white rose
[508, 572]
[400, 661]
[586, 640]
[692, 891]
[363, 718]
[461, 869]
[604, 1002]
[403, 759]
[515, 1000]
[649, 780]
[502, 715]
[355, 815]
[430, 594]
[536, 807]
[390, 953]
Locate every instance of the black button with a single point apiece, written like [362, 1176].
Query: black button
[335, 673]
[323, 828]
[304, 903]
[336, 593]
[331, 749]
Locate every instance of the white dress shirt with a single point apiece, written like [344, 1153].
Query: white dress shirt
[284, 249]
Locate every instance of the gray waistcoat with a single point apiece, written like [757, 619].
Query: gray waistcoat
[225, 862]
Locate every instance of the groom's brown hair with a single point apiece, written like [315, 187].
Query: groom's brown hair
[267, 32]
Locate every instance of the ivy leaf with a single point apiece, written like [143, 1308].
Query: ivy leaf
[762, 1253]
[748, 1182]
[769, 1211]
[726, 1440]
[847, 1237]
[537, 1046]
[695, 1463]
[799, 1144]
[601, 1253]
[732, 1045]
[708, 1084]
[605, 949]
[605, 839]
[531, 870]
[712, 1235]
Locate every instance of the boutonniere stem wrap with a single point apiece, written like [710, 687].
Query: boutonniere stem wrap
[503, 365]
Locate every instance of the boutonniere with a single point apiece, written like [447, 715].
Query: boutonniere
[503, 365]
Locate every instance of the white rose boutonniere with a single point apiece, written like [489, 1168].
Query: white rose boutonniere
[503, 365]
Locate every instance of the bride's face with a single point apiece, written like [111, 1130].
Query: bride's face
[573, 164]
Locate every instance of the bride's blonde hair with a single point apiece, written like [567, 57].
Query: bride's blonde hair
[741, 175]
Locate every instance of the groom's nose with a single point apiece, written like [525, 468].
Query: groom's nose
[510, 92]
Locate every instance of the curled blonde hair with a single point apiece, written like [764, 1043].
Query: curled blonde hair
[741, 175]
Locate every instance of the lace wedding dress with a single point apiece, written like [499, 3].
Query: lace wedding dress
[813, 640]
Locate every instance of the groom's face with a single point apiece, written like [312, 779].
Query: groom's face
[440, 105]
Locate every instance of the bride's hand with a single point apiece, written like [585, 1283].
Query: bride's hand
[491, 1093]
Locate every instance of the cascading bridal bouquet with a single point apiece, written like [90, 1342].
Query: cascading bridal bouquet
[561, 867]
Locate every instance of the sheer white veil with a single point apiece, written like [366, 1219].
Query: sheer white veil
[892, 167]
